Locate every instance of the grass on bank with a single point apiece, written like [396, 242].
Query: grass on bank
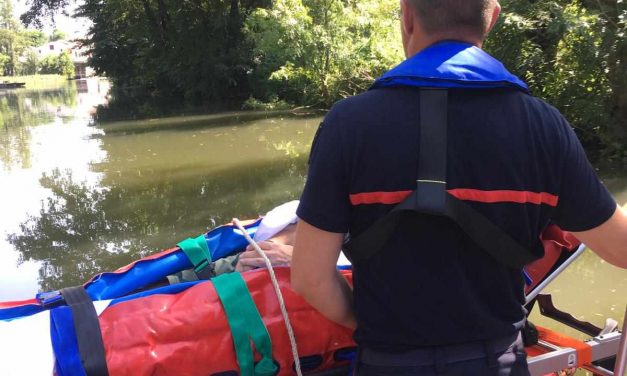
[37, 81]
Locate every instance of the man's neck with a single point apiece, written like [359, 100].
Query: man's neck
[419, 43]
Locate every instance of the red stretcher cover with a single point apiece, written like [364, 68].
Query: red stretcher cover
[188, 334]
[555, 242]
[184, 330]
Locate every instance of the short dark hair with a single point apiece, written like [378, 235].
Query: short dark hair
[446, 16]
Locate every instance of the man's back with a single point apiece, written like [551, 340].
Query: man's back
[510, 156]
[431, 290]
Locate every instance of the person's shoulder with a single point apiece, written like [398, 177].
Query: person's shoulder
[533, 106]
[533, 112]
[365, 100]
[543, 107]
[369, 106]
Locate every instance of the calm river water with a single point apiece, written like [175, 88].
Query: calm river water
[77, 199]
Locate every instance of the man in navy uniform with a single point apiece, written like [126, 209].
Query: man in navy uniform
[437, 296]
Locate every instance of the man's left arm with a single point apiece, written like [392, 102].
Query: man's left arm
[315, 275]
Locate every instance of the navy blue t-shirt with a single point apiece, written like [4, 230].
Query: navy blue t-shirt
[510, 156]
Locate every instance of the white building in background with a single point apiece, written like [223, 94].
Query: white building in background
[78, 54]
[54, 48]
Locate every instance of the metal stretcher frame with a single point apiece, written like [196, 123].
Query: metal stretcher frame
[561, 358]
[601, 346]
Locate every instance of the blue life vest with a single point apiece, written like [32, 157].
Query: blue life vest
[445, 65]
[451, 64]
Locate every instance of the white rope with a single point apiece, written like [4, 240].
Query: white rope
[275, 283]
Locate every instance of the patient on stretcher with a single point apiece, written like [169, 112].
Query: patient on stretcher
[275, 236]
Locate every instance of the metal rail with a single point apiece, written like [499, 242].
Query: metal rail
[532, 295]
[603, 347]
[621, 356]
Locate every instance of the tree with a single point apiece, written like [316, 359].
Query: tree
[57, 35]
[30, 64]
[14, 41]
[573, 54]
[40, 9]
[8, 38]
[34, 38]
[59, 64]
[318, 51]
[66, 66]
[179, 51]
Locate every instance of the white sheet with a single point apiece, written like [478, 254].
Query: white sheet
[276, 220]
[25, 345]
[279, 218]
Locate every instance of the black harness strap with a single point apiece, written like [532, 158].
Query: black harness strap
[87, 329]
[431, 197]
[430, 194]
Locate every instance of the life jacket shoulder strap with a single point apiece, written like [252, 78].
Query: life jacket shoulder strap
[431, 197]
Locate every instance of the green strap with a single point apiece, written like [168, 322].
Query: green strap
[246, 325]
[197, 252]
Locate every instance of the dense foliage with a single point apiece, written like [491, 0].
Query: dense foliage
[317, 51]
[192, 51]
[574, 55]
[57, 64]
[57, 35]
[313, 52]
[17, 53]
[14, 40]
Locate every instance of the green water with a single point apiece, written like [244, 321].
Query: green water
[77, 199]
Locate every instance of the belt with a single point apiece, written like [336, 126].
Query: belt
[429, 356]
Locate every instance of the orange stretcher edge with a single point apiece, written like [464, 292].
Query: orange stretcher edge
[584, 351]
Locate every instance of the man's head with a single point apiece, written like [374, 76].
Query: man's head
[428, 21]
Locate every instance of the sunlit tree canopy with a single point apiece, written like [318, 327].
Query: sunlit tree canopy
[314, 52]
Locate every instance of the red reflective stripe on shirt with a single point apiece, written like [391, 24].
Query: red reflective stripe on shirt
[520, 197]
[387, 198]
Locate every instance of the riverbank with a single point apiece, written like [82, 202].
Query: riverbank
[37, 81]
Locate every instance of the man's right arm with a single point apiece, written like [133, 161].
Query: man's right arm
[609, 240]
[586, 208]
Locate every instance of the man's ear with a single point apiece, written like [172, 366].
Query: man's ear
[495, 16]
[407, 17]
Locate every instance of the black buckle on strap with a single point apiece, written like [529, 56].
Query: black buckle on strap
[51, 299]
[431, 197]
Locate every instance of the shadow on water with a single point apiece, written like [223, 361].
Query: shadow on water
[81, 231]
[20, 111]
[240, 118]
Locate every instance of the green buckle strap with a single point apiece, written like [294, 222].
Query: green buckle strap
[246, 325]
[197, 252]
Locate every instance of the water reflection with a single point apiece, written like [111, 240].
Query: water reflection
[40, 130]
[20, 110]
[26, 108]
[15, 147]
[149, 196]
